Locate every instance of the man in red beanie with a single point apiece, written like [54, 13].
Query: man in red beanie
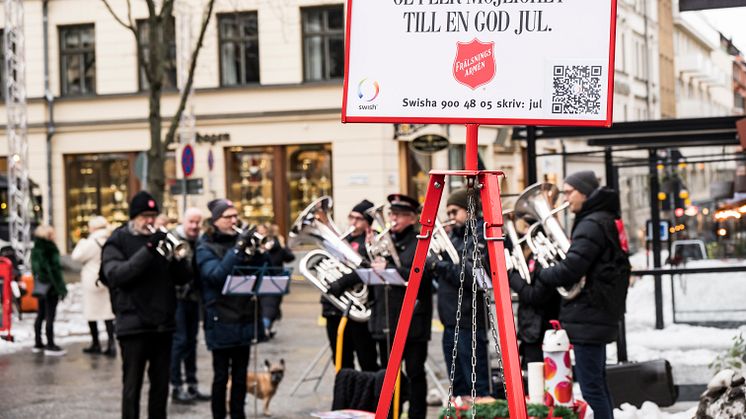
[142, 285]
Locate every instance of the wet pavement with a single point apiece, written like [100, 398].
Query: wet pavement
[77, 385]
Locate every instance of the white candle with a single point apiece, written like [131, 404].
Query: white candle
[536, 382]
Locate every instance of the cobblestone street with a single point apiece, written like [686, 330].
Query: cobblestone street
[81, 386]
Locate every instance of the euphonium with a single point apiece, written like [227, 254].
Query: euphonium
[440, 243]
[336, 257]
[546, 238]
[171, 247]
[382, 244]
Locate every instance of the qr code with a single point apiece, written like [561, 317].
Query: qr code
[577, 89]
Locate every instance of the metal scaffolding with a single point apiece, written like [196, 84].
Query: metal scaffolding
[19, 202]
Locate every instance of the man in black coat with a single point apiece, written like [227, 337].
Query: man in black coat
[142, 286]
[388, 301]
[184, 351]
[448, 276]
[357, 340]
[589, 318]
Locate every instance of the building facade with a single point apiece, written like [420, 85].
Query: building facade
[267, 102]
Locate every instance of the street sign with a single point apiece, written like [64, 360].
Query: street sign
[546, 62]
[193, 187]
[664, 225]
[429, 143]
[187, 160]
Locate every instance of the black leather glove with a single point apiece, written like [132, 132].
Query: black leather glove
[247, 242]
[155, 239]
[336, 289]
[431, 263]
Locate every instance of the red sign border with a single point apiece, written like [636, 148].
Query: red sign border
[485, 121]
[184, 157]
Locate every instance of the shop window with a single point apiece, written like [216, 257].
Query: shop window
[457, 161]
[77, 60]
[168, 38]
[418, 168]
[309, 172]
[2, 67]
[323, 43]
[239, 49]
[170, 207]
[250, 182]
[96, 184]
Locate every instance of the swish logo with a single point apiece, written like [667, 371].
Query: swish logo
[368, 90]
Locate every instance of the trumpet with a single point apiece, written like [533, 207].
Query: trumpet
[441, 245]
[253, 242]
[171, 248]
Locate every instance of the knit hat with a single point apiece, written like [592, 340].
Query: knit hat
[584, 182]
[362, 207]
[217, 207]
[143, 202]
[459, 197]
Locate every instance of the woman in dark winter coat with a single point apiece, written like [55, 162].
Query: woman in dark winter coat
[49, 287]
[229, 319]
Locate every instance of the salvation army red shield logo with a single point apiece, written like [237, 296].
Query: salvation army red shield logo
[474, 65]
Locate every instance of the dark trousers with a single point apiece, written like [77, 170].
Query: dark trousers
[462, 374]
[530, 352]
[138, 351]
[414, 357]
[46, 312]
[109, 324]
[184, 350]
[590, 369]
[233, 363]
[357, 341]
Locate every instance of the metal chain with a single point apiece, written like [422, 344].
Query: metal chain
[476, 256]
[454, 352]
[479, 267]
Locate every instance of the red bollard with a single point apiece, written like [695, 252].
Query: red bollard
[6, 276]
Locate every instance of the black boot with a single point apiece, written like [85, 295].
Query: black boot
[111, 344]
[179, 395]
[95, 347]
[193, 391]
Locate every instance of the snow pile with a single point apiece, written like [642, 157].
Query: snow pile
[650, 410]
[69, 326]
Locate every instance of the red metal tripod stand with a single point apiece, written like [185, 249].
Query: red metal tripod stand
[486, 181]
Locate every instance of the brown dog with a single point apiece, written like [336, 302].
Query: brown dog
[263, 385]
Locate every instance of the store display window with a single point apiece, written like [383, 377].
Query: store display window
[250, 182]
[97, 184]
[273, 184]
[309, 175]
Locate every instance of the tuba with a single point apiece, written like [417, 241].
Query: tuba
[335, 259]
[546, 238]
[382, 244]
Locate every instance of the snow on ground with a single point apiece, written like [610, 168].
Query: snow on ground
[69, 325]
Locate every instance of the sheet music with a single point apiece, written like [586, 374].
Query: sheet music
[388, 276]
[274, 284]
[239, 284]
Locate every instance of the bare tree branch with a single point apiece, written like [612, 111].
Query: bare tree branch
[167, 8]
[190, 79]
[117, 18]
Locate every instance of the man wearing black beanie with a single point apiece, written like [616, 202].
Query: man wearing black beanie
[596, 257]
[142, 285]
[357, 340]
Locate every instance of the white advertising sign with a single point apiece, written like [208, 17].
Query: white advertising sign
[527, 62]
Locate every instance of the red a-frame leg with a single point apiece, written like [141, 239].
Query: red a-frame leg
[490, 193]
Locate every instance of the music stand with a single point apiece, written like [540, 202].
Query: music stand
[257, 281]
